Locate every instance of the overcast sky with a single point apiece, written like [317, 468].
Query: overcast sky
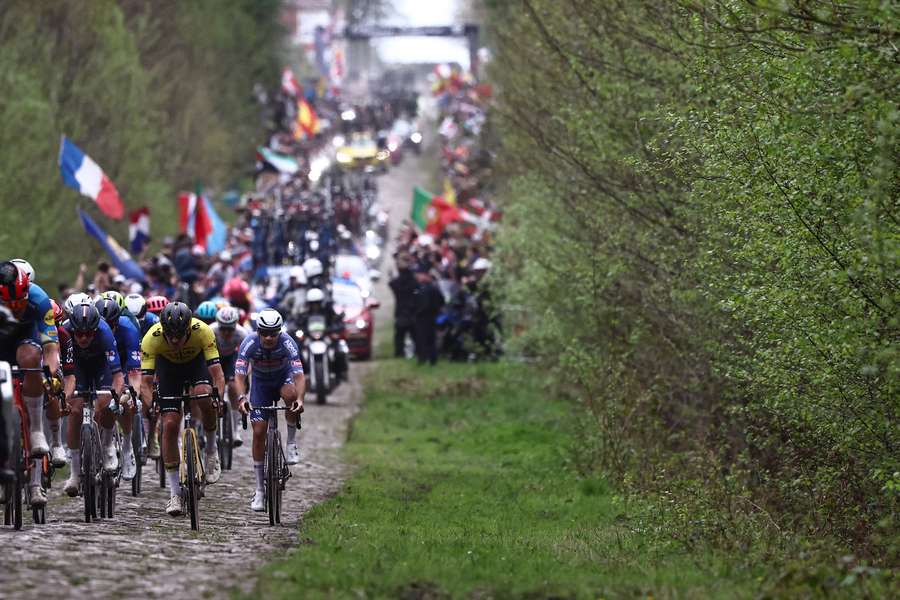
[418, 49]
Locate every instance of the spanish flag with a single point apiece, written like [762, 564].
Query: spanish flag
[307, 121]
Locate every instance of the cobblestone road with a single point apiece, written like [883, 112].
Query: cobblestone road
[144, 553]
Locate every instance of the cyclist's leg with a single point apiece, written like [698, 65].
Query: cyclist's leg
[201, 384]
[289, 395]
[29, 356]
[106, 419]
[87, 375]
[233, 393]
[171, 383]
[263, 392]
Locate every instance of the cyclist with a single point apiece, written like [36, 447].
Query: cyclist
[33, 343]
[123, 308]
[229, 337]
[92, 361]
[128, 345]
[273, 357]
[137, 306]
[206, 312]
[57, 452]
[140, 309]
[183, 351]
[156, 304]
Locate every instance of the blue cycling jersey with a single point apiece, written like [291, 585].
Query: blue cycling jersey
[40, 311]
[128, 343]
[268, 363]
[150, 319]
[103, 345]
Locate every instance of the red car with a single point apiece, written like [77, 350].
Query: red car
[358, 321]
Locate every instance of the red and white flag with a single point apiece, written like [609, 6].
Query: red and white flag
[289, 83]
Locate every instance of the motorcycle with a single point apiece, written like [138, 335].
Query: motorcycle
[316, 352]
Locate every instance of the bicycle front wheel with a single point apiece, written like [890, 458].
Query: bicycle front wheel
[192, 481]
[88, 473]
[137, 446]
[226, 439]
[271, 469]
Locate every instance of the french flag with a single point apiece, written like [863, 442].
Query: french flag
[80, 172]
[139, 229]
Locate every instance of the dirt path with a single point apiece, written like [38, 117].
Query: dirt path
[142, 553]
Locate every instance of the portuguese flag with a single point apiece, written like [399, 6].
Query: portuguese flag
[432, 213]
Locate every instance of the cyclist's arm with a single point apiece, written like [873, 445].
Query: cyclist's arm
[148, 368]
[218, 377]
[118, 382]
[296, 368]
[242, 365]
[69, 385]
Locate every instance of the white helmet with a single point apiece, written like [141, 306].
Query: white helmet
[298, 273]
[76, 299]
[481, 264]
[228, 316]
[313, 267]
[136, 305]
[25, 266]
[269, 319]
[315, 295]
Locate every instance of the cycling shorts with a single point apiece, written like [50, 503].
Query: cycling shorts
[23, 334]
[92, 373]
[172, 377]
[266, 391]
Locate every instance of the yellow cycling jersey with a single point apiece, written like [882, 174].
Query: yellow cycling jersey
[202, 339]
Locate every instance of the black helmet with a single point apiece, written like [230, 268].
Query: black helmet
[109, 310]
[175, 319]
[84, 317]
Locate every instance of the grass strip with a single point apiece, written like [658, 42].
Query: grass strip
[463, 489]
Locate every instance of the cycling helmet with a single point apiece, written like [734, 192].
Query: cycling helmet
[315, 295]
[84, 317]
[58, 315]
[313, 267]
[156, 304]
[206, 312]
[175, 319]
[13, 287]
[228, 316]
[25, 266]
[136, 305]
[74, 300]
[269, 320]
[109, 310]
[115, 296]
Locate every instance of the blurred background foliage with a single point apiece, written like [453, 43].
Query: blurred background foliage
[159, 93]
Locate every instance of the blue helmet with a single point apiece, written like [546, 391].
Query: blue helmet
[206, 312]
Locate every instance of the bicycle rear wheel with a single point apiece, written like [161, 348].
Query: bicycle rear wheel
[279, 478]
[89, 473]
[191, 453]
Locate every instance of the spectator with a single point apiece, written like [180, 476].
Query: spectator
[403, 286]
[428, 304]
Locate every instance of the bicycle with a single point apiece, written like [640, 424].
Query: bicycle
[225, 437]
[276, 469]
[191, 471]
[138, 444]
[98, 486]
[17, 493]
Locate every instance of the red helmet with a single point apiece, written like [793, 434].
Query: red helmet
[13, 287]
[58, 314]
[155, 304]
[235, 288]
